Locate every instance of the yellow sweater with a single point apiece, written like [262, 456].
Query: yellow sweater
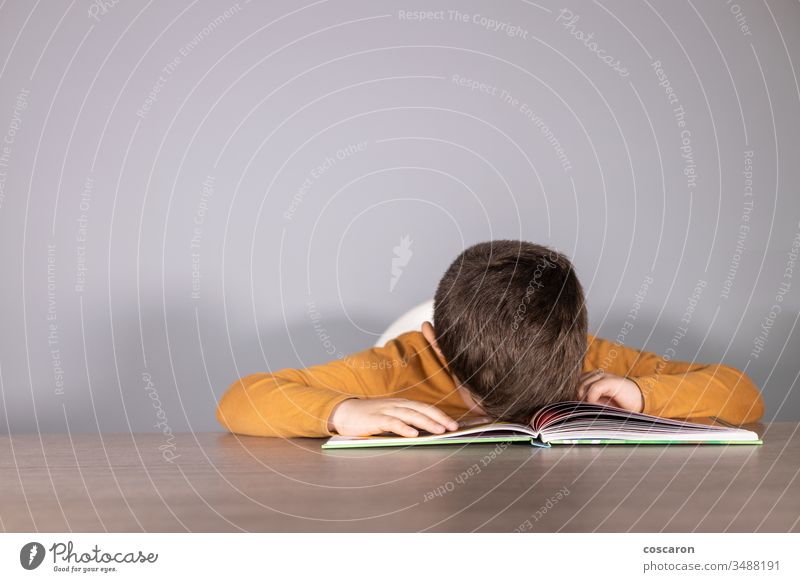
[299, 402]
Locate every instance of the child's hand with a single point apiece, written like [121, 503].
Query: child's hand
[357, 417]
[601, 387]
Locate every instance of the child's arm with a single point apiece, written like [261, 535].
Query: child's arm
[292, 403]
[279, 404]
[677, 389]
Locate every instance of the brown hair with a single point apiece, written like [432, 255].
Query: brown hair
[510, 320]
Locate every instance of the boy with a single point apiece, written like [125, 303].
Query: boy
[510, 336]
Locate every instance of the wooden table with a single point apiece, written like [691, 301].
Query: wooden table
[221, 482]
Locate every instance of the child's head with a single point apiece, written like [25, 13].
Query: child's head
[510, 321]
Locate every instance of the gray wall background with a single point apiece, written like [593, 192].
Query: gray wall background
[154, 250]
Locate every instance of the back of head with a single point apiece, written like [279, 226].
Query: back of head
[510, 320]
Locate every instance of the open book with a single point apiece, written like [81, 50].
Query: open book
[570, 423]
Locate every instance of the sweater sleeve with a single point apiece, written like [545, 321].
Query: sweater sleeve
[677, 389]
[291, 403]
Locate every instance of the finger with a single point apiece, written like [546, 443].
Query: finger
[590, 377]
[397, 426]
[588, 381]
[431, 412]
[599, 393]
[589, 374]
[417, 419]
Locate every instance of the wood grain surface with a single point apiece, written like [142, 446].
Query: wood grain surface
[223, 482]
